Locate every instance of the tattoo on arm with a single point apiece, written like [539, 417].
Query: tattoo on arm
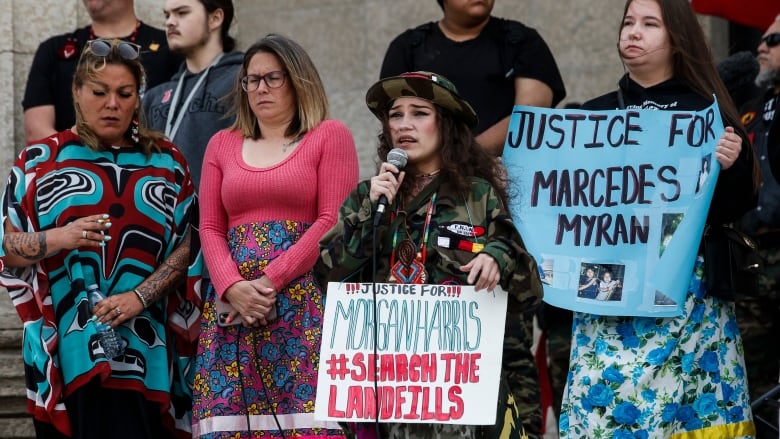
[30, 246]
[168, 275]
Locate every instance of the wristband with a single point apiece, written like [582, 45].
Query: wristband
[141, 298]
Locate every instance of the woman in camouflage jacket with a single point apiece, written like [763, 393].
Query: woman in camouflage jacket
[446, 221]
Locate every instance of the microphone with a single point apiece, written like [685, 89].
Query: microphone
[396, 157]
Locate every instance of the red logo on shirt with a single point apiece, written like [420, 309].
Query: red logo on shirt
[166, 96]
[68, 50]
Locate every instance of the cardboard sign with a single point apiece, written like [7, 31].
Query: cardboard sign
[425, 353]
[612, 204]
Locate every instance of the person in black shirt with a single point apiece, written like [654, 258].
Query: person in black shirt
[759, 315]
[495, 63]
[48, 100]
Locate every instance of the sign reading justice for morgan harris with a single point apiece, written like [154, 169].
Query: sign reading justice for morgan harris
[425, 353]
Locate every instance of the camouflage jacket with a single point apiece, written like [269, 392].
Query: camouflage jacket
[346, 250]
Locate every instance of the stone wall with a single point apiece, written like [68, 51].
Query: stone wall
[346, 39]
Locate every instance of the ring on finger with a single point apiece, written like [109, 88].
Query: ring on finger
[84, 234]
[117, 311]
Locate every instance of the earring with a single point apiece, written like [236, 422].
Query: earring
[134, 126]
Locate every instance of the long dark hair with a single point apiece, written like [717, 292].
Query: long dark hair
[228, 42]
[462, 157]
[693, 63]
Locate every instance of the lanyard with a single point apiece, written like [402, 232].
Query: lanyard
[171, 126]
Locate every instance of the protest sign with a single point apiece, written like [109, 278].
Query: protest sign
[612, 204]
[425, 353]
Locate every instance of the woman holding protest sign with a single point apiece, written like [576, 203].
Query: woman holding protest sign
[447, 221]
[681, 376]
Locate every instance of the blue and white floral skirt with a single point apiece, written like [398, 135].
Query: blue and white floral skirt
[645, 377]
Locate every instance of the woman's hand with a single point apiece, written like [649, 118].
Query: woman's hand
[484, 269]
[88, 231]
[386, 183]
[118, 308]
[253, 299]
[728, 148]
[27, 248]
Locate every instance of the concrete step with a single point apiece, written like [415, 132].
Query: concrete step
[16, 428]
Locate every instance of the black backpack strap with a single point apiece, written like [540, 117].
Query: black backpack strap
[514, 32]
[415, 39]
[513, 36]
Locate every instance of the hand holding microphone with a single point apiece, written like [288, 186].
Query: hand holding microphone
[387, 182]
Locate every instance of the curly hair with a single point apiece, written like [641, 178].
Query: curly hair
[463, 158]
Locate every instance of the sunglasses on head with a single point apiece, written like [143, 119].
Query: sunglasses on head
[771, 40]
[128, 51]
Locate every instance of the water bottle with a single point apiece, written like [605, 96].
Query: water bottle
[109, 340]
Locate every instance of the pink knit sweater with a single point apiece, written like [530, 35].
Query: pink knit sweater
[309, 185]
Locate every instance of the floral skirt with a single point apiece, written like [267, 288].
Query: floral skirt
[645, 377]
[254, 382]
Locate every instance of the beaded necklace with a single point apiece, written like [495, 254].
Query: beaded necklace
[410, 267]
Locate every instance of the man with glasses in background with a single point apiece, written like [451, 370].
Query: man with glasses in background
[191, 107]
[48, 100]
[759, 315]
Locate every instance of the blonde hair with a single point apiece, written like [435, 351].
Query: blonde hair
[88, 68]
[309, 92]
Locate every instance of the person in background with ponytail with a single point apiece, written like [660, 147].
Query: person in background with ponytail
[191, 107]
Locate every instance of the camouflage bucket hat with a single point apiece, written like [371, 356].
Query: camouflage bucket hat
[424, 85]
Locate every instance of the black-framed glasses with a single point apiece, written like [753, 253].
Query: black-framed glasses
[273, 79]
[771, 40]
[127, 50]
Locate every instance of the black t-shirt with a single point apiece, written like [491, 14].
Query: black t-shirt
[483, 69]
[51, 74]
[759, 115]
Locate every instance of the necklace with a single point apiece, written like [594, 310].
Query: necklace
[430, 174]
[286, 146]
[421, 181]
[410, 267]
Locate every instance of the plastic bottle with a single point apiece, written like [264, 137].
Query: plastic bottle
[109, 340]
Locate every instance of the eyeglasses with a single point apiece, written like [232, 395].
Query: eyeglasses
[128, 51]
[273, 79]
[771, 40]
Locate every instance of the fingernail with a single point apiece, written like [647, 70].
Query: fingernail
[105, 216]
[102, 244]
[108, 224]
[106, 238]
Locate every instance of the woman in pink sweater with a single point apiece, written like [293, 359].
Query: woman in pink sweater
[271, 187]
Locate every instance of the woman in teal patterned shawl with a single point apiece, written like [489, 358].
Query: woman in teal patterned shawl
[111, 203]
